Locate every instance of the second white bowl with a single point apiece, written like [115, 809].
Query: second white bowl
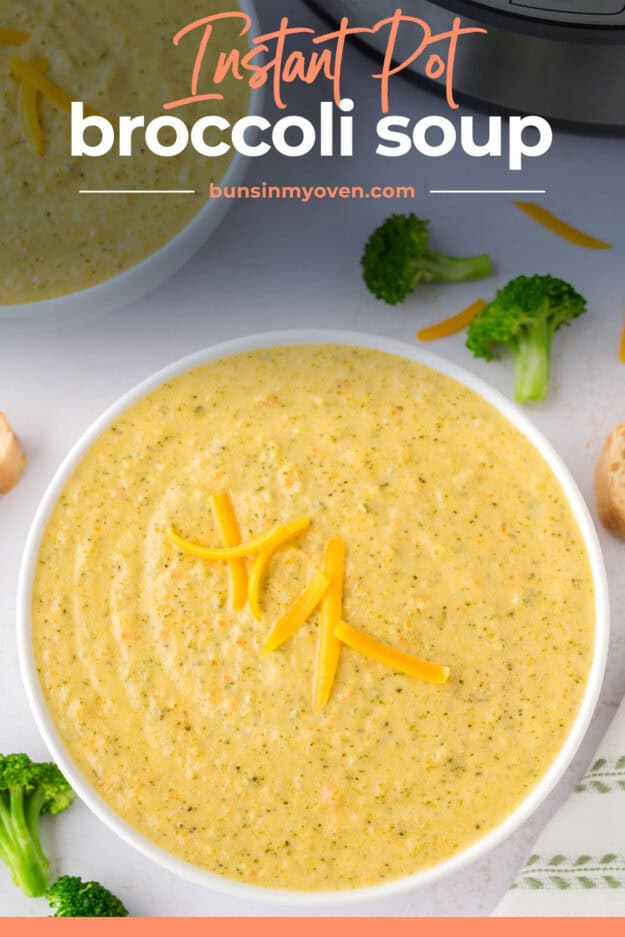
[146, 276]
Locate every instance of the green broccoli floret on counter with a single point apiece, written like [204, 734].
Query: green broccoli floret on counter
[397, 257]
[27, 790]
[523, 317]
[71, 897]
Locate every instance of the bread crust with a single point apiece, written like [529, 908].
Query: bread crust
[610, 482]
[12, 458]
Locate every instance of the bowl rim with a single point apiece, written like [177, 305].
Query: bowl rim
[329, 898]
[192, 233]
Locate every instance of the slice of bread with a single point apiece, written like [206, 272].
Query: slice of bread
[610, 482]
[12, 458]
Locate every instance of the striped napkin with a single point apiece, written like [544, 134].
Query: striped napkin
[577, 867]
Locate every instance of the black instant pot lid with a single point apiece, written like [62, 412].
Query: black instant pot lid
[567, 66]
[581, 20]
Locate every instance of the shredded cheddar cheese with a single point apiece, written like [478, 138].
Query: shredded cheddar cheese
[271, 539]
[28, 72]
[261, 562]
[257, 576]
[29, 111]
[396, 660]
[13, 37]
[550, 221]
[228, 527]
[452, 325]
[328, 646]
[301, 609]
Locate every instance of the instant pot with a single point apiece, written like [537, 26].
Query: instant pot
[563, 59]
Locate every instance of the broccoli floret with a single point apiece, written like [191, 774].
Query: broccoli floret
[27, 790]
[396, 258]
[523, 316]
[71, 897]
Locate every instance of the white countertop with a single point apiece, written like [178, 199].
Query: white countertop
[282, 264]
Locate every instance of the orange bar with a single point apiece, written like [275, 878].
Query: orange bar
[309, 927]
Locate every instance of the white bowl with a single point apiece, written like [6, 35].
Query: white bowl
[147, 275]
[284, 897]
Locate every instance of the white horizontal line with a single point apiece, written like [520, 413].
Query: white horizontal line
[487, 191]
[136, 191]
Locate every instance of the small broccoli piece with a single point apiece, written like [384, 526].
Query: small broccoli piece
[71, 897]
[396, 258]
[27, 790]
[523, 316]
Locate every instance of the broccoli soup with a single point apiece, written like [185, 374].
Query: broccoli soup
[118, 57]
[313, 617]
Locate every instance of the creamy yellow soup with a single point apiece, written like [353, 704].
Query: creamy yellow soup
[118, 57]
[460, 548]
